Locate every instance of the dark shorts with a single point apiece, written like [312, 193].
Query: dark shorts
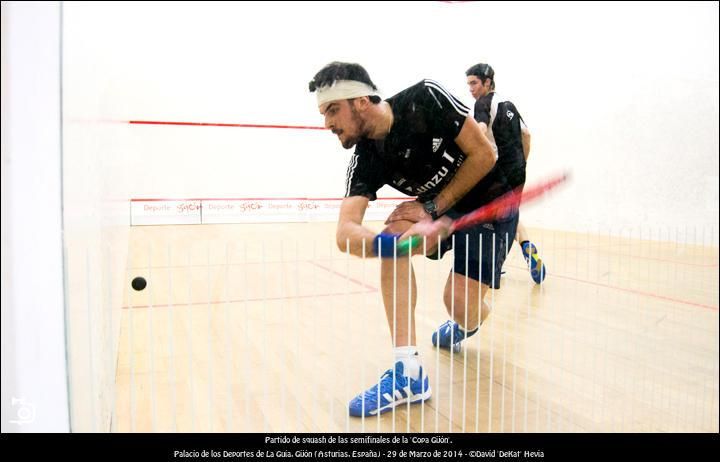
[481, 264]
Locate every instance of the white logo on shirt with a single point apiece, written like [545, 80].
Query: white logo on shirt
[436, 144]
[434, 181]
[510, 115]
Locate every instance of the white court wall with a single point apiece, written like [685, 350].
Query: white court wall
[624, 95]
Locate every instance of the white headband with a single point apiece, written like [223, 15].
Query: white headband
[343, 89]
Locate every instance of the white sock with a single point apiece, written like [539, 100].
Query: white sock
[410, 359]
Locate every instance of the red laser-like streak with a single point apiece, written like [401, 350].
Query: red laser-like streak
[216, 124]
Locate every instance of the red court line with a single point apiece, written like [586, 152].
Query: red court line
[623, 289]
[218, 302]
[312, 262]
[330, 270]
[642, 257]
[372, 289]
[215, 124]
[662, 260]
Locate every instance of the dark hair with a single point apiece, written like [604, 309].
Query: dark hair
[483, 72]
[342, 71]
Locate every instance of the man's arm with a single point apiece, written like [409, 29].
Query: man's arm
[352, 211]
[525, 133]
[479, 160]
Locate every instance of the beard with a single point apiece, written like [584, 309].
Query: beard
[351, 141]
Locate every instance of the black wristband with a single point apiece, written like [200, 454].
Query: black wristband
[430, 208]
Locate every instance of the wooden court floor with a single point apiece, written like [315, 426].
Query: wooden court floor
[270, 328]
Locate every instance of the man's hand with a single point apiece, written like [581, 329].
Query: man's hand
[432, 231]
[410, 211]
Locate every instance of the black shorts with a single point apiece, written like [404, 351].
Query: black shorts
[470, 260]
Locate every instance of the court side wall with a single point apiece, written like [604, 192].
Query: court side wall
[96, 189]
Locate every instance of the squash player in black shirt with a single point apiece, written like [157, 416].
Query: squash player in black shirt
[510, 138]
[421, 142]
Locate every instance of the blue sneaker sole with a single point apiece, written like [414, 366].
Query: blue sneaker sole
[415, 399]
[537, 268]
[538, 274]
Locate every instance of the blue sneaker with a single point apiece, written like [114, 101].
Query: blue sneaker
[449, 334]
[537, 268]
[382, 397]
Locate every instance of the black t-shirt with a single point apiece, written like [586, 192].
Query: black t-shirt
[504, 131]
[419, 156]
